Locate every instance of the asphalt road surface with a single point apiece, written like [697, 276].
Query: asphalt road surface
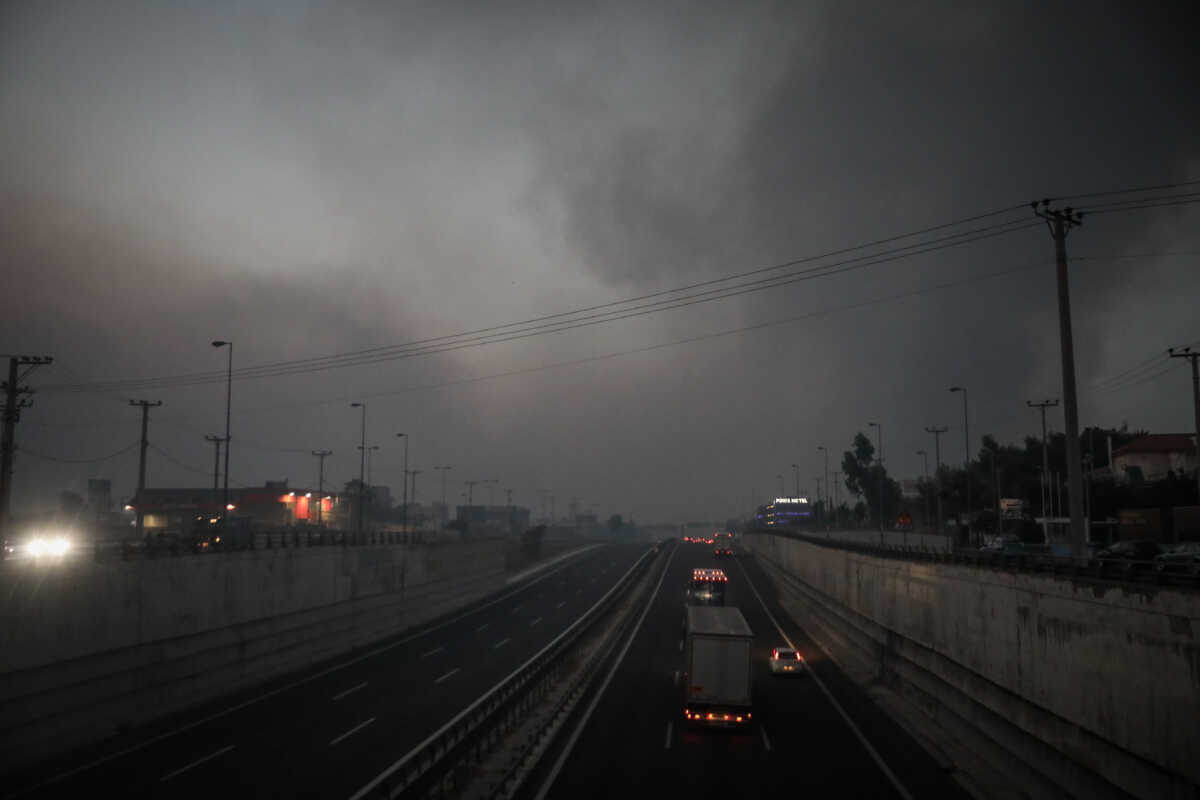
[329, 730]
[815, 735]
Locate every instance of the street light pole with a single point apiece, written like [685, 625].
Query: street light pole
[925, 456]
[879, 427]
[825, 508]
[362, 464]
[966, 454]
[228, 400]
[445, 511]
[796, 470]
[404, 508]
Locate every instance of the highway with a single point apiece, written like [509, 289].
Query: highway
[329, 730]
[815, 734]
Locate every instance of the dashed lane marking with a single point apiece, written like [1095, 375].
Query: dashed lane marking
[351, 690]
[196, 763]
[351, 732]
[447, 675]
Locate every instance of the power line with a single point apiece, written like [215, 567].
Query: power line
[122, 451]
[761, 284]
[1157, 188]
[672, 343]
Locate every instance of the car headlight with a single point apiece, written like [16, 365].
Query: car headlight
[49, 547]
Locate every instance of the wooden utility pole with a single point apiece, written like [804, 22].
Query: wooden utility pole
[139, 503]
[13, 403]
[1060, 223]
[1191, 356]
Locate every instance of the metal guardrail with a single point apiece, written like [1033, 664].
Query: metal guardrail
[472, 725]
[1138, 573]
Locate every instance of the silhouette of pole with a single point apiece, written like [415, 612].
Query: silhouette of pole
[1190, 356]
[145, 405]
[321, 456]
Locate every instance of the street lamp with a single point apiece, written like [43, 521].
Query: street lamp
[362, 464]
[445, 511]
[880, 460]
[782, 491]
[796, 470]
[925, 455]
[825, 508]
[966, 453]
[404, 508]
[228, 399]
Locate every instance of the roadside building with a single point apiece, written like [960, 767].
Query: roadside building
[269, 505]
[1154, 457]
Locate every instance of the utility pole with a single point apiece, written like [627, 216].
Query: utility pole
[13, 403]
[321, 456]
[145, 405]
[937, 469]
[370, 452]
[1190, 356]
[216, 440]
[471, 492]
[1059, 223]
[362, 465]
[796, 470]
[1042, 406]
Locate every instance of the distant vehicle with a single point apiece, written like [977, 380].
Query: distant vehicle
[785, 661]
[707, 587]
[1005, 545]
[717, 676]
[1131, 550]
[724, 544]
[1182, 553]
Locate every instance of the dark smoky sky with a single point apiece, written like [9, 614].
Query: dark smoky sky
[309, 178]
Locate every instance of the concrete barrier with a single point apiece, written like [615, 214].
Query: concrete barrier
[1063, 687]
[87, 649]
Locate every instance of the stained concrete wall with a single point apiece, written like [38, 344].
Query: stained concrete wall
[88, 648]
[1069, 688]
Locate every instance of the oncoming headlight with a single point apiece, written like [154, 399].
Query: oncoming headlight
[57, 546]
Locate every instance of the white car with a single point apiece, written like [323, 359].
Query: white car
[785, 660]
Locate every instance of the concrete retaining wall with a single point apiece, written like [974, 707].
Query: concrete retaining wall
[1065, 687]
[86, 648]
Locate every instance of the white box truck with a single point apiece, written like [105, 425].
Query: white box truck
[717, 678]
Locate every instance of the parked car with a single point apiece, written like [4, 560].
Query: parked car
[1182, 553]
[1006, 545]
[1131, 550]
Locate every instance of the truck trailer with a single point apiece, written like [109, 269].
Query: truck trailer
[717, 676]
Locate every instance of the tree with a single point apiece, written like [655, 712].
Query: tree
[615, 523]
[863, 477]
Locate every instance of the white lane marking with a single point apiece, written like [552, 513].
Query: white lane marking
[535, 622]
[763, 730]
[560, 605]
[196, 763]
[399, 764]
[351, 690]
[432, 652]
[482, 627]
[681, 645]
[352, 731]
[667, 743]
[544, 568]
[500, 644]
[447, 675]
[878, 759]
[544, 789]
